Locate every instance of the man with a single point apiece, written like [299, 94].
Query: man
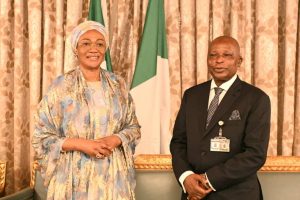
[222, 130]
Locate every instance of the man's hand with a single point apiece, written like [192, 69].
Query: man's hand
[195, 188]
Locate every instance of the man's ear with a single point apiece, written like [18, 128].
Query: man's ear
[240, 60]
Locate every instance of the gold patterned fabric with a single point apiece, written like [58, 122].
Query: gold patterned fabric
[35, 48]
[266, 31]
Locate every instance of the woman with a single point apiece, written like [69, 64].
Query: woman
[86, 129]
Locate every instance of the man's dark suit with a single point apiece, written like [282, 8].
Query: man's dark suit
[232, 174]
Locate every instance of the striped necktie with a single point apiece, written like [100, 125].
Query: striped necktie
[213, 105]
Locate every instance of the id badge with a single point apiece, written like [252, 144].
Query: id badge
[220, 144]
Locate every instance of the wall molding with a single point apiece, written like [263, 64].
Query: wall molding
[2, 176]
[163, 162]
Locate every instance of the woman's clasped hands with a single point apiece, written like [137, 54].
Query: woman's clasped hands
[107, 145]
[99, 148]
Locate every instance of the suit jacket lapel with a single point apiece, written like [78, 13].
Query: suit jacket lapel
[230, 97]
[203, 103]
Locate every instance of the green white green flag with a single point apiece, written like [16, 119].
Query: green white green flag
[96, 14]
[150, 87]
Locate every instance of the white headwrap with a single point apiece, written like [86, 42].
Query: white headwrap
[83, 27]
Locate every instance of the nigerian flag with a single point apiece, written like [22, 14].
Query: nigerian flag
[150, 86]
[95, 14]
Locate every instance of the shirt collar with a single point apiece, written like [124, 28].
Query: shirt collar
[226, 85]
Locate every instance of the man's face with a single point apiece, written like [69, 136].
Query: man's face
[223, 59]
[91, 49]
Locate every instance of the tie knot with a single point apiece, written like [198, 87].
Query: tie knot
[218, 90]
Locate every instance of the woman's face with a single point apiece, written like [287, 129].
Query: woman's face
[91, 48]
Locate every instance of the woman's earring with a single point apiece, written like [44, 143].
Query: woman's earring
[76, 54]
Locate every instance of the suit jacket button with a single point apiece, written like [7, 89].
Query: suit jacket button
[203, 153]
